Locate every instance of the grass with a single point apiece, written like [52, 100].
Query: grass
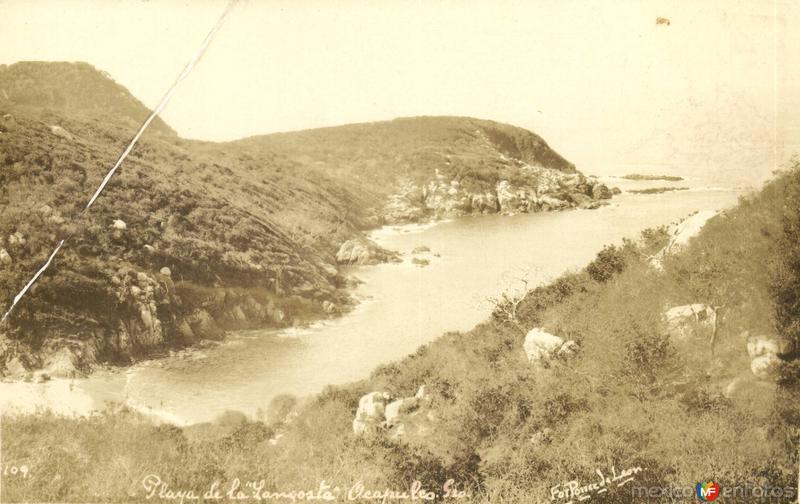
[508, 432]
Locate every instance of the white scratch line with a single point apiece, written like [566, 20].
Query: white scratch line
[163, 103]
[32, 280]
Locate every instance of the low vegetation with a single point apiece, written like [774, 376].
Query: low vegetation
[682, 410]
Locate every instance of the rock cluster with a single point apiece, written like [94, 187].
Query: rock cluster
[546, 189]
[400, 418]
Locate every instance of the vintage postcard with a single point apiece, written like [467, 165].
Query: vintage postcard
[450, 251]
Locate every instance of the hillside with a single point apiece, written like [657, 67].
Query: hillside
[637, 385]
[192, 238]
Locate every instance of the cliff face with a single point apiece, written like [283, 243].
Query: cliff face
[192, 238]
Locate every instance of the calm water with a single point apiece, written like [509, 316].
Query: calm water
[402, 307]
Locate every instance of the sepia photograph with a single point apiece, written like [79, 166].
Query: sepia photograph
[485, 251]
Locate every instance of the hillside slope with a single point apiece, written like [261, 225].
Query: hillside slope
[192, 238]
[485, 413]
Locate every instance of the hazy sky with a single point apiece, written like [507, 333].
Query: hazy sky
[715, 95]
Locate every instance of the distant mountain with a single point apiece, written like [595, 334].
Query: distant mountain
[192, 238]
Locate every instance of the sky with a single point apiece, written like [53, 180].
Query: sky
[714, 95]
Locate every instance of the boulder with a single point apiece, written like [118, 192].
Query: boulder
[766, 366]
[540, 347]
[601, 191]
[60, 132]
[411, 418]
[616, 190]
[548, 202]
[763, 345]
[119, 224]
[687, 320]
[362, 252]
[165, 271]
[396, 409]
[328, 307]
[370, 415]
[421, 249]
[581, 199]
[5, 258]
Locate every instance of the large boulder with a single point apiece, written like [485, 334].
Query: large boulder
[411, 418]
[547, 202]
[371, 412]
[362, 252]
[119, 224]
[395, 410]
[766, 366]
[686, 321]
[540, 347]
[763, 345]
[601, 191]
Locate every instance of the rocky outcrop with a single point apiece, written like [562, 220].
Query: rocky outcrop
[541, 347]
[537, 189]
[361, 252]
[688, 321]
[404, 417]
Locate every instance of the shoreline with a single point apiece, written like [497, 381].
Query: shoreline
[92, 398]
